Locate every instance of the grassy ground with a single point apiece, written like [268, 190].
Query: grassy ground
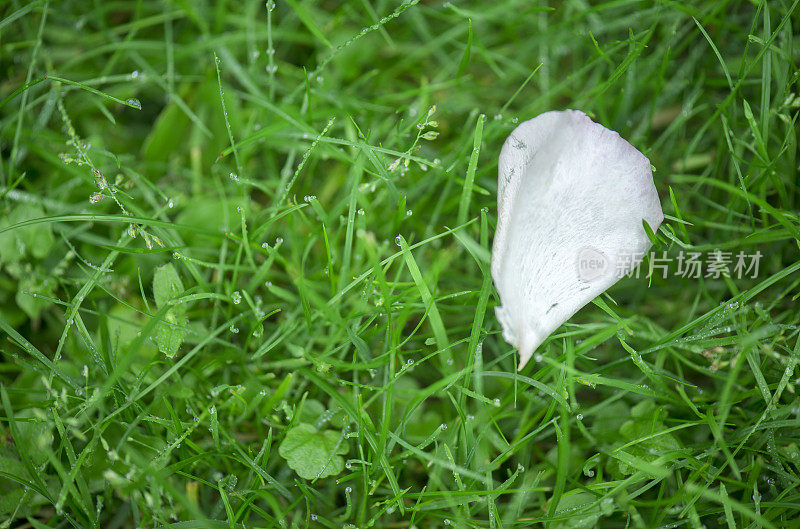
[245, 251]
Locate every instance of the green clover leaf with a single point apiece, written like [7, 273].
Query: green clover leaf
[167, 285]
[312, 453]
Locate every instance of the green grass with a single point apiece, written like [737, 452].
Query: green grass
[323, 351]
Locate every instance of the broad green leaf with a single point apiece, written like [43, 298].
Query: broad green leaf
[10, 500]
[167, 285]
[28, 289]
[9, 251]
[35, 240]
[577, 507]
[36, 437]
[311, 411]
[169, 132]
[643, 429]
[313, 453]
[12, 466]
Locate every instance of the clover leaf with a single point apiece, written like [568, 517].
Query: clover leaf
[313, 453]
[167, 285]
[644, 434]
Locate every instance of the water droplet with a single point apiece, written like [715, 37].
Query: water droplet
[237, 297]
[171, 203]
[443, 426]
[397, 240]
[579, 416]
[409, 213]
[496, 403]
[537, 358]
[133, 102]
[278, 240]
[234, 177]
[234, 329]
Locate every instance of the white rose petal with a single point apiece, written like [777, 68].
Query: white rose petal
[571, 199]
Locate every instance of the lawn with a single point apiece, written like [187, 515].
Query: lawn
[245, 281]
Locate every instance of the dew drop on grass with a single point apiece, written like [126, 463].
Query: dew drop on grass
[236, 297]
[409, 213]
[397, 240]
[234, 177]
[171, 203]
[579, 417]
[496, 403]
[133, 102]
